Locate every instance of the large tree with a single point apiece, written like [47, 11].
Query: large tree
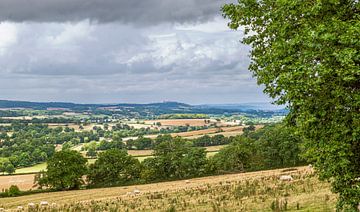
[114, 167]
[64, 171]
[306, 53]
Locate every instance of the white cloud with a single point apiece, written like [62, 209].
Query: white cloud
[8, 36]
[72, 33]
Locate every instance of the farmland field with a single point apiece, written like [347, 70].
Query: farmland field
[178, 122]
[255, 191]
[31, 169]
[24, 182]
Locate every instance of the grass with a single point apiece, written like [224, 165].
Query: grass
[253, 191]
[31, 169]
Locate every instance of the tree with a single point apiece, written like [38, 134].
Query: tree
[306, 53]
[13, 191]
[6, 166]
[278, 146]
[235, 157]
[174, 159]
[67, 145]
[10, 169]
[91, 153]
[114, 167]
[64, 171]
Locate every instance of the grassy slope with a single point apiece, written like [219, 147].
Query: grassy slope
[31, 169]
[253, 191]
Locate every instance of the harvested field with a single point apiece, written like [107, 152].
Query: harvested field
[226, 131]
[178, 122]
[196, 132]
[253, 191]
[24, 182]
[140, 152]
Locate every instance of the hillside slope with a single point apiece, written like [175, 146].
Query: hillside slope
[255, 191]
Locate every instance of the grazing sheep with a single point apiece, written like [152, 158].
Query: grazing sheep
[286, 178]
[20, 208]
[310, 166]
[31, 205]
[44, 203]
[187, 181]
[136, 191]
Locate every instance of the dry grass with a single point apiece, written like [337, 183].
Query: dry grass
[254, 191]
[24, 182]
[140, 152]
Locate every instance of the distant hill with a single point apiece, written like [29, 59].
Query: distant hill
[149, 109]
[265, 106]
[45, 105]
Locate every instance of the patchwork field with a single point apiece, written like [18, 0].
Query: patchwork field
[178, 122]
[253, 191]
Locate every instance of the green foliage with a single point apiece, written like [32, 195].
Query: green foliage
[13, 191]
[64, 171]
[114, 167]
[274, 146]
[174, 159]
[234, 157]
[278, 146]
[211, 141]
[306, 53]
[6, 166]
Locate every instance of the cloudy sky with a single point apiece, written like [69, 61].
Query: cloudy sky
[112, 51]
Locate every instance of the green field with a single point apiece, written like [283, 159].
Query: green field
[31, 169]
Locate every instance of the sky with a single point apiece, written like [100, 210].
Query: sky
[115, 51]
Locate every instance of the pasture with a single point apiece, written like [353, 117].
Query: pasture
[253, 191]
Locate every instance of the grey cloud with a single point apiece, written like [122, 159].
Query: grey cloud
[142, 12]
[112, 62]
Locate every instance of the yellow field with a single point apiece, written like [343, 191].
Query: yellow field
[253, 191]
[24, 182]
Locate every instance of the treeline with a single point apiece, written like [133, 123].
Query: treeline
[29, 112]
[143, 143]
[174, 158]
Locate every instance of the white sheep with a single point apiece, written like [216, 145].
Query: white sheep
[44, 203]
[187, 181]
[286, 178]
[31, 205]
[136, 191]
[20, 208]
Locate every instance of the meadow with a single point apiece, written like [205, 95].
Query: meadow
[252, 191]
